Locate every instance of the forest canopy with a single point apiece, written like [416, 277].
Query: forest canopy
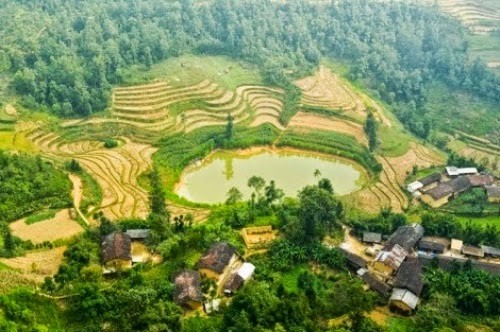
[70, 52]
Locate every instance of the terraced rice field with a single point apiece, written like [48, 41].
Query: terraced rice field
[116, 170]
[37, 265]
[159, 107]
[316, 121]
[57, 228]
[479, 15]
[326, 90]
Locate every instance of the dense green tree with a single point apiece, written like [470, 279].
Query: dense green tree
[371, 131]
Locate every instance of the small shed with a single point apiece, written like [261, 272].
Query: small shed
[414, 186]
[370, 237]
[212, 306]
[433, 244]
[456, 246]
[354, 261]
[491, 251]
[455, 171]
[375, 284]
[233, 283]
[430, 179]
[246, 271]
[473, 251]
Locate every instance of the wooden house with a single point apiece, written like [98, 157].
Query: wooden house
[481, 180]
[436, 245]
[408, 285]
[116, 252]
[387, 262]
[405, 236]
[217, 261]
[375, 284]
[441, 194]
[354, 261]
[188, 289]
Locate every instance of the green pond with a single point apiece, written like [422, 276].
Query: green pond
[210, 180]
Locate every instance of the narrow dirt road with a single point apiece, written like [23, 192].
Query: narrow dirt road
[77, 195]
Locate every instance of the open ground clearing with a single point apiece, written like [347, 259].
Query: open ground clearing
[199, 214]
[116, 170]
[61, 226]
[37, 265]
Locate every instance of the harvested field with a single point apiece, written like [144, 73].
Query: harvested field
[61, 226]
[418, 155]
[11, 279]
[37, 265]
[327, 90]
[316, 121]
[116, 170]
[159, 107]
[199, 214]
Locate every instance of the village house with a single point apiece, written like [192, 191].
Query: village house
[115, 252]
[236, 280]
[453, 171]
[408, 285]
[354, 261]
[188, 289]
[405, 236]
[436, 245]
[258, 237]
[138, 234]
[370, 237]
[441, 194]
[139, 250]
[491, 251]
[375, 284]
[472, 251]
[481, 180]
[493, 193]
[425, 183]
[387, 262]
[217, 261]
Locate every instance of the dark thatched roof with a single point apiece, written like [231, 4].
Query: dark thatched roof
[430, 179]
[188, 287]
[406, 236]
[379, 286]
[481, 180]
[354, 261]
[446, 263]
[233, 283]
[434, 244]
[472, 251]
[409, 276]
[493, 191]
[457, 185]
[116, 246]
[217, 257]
[370, 237]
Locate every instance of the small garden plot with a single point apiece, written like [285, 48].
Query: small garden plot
[58, 227]
[37, 265]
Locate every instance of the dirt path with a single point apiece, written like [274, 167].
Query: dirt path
[77, 193]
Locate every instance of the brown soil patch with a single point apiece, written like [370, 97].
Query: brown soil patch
[59, 227]
[316, 121]
[37, 265]
[77, 190]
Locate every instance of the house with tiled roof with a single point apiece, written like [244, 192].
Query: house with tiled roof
[408, 285]
[188, 289]
[116, 252]
[217, 261]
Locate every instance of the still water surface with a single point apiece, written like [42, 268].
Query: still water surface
[210, 180]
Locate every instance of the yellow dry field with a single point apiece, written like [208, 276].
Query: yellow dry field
[327, 90]
[159, 107]
[11, 279]
[418, 155]
[37, 265]
[199, 214]
[316, 121]
[116, 170]
[57, 228]
[473, 14]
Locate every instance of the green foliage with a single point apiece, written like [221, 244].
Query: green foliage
[386, 222]
[332, 143]
[74, 166]
[45, 215]
[110, 143]
[290, 104]
[29, 184]
[233, 196]
[371, 131]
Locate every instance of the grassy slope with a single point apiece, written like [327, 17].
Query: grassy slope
[191, 69]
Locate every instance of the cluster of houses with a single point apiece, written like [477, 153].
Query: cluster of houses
[219, 263]
[437, 189]
[395, 270]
